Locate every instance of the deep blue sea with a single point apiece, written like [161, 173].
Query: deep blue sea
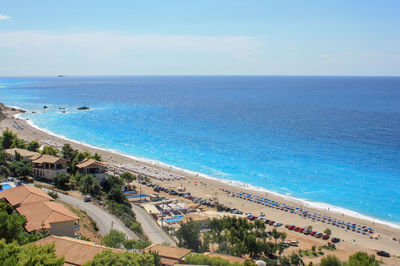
[334, 140]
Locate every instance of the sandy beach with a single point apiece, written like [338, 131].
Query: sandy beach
[204, 187]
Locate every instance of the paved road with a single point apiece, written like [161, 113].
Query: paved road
[151, 228]
[103, 219]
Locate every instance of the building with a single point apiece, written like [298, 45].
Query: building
[74, 251]
[22, 195]
[231, 259]
[26, 155]
[169, 255]
[49, 215]
[92, 167]
[48, 166]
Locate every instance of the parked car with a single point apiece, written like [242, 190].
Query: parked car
[313, 233]
[86, 199]
[294, 243]
[325, 237]
[307, 232]
[292, 227]
[383, 253]
[285, 244]
[297, 229]
[335, 240]
[277, 224]
[271, 223]
[318, 235]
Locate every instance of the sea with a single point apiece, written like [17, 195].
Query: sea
[330, 141]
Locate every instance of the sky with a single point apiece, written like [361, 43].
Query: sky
[189, 37]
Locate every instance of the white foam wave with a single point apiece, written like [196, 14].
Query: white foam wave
[315, 205]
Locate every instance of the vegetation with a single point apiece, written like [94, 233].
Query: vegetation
[125, 214]
[20, 169]
[52, 194]
[14, 254]
[362, 258]
[12, 226]
[117, 239]
[108, 258]
[49, 150]
[128, 177]
[10, 140]
[33, 146]
[61, 181]
[327, 231]
[233, 236]
[199, 259]
[330, 261]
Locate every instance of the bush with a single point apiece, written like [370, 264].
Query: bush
[52, 194]
[61, 180]
[327, 231]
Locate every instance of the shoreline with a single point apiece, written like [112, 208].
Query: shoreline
[321, 206]
[205, 185]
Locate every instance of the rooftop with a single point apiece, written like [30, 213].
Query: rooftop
[75, 251]
[42, 214]
[21, 152]
[23, 195]
[89, 162]
[168, 251]
[48, 159]
[232, 259]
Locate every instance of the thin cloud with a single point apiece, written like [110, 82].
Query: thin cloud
[115, 52]
[3, 17]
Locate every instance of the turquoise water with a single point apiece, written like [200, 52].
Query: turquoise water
[5, 186]
[334, 140]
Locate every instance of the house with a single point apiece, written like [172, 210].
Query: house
[74, 251]
[169, 255]
[92, 167]
[231, 259]
[26, 155]
[22, 195]
[48, 166]
[49, 215]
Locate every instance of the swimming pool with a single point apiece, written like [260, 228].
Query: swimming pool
[137, 196]
[172, 219]
[5, 186]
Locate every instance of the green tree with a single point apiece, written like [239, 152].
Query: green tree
[20, 169]
[327, 231]
[134, 244]
[49, 150]
[128, 177]
[295, 259]
[114, 239]
[61, 180]
[116, 195]
[69, 154]
[362, 259]
[189, 236]
[200, 259]
[11, 225]
[4, 171]
[111, 182]
[109, 258]
[33, 146]
[14, 254]
[39, 255]
[330, 261]
[7, 139]
[89, 184]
